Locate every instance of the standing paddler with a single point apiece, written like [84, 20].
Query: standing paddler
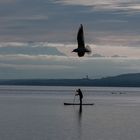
[80, 94]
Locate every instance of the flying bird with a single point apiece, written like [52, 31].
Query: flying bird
[81, 50]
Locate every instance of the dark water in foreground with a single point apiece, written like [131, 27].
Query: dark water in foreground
[38, 113]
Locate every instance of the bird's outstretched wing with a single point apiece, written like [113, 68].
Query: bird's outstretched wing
[80, 37]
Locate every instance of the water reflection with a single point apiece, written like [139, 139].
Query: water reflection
[80, 122]
[80, 112]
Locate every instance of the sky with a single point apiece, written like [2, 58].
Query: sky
[37, 38]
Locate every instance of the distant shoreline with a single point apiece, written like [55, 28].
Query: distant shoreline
[124, 80]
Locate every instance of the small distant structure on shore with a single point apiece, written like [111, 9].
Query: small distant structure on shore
[86, 78]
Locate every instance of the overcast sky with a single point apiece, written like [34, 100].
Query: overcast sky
[37, 38]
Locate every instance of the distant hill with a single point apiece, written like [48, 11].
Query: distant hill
[124, 80]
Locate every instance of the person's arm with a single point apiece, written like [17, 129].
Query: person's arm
[77, 93]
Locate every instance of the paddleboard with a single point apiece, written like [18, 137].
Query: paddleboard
[78, 104]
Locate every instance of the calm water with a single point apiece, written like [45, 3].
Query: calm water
[38, 113]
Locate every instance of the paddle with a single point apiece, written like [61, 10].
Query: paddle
[74, 99]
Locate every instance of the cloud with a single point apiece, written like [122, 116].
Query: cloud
[115, 5]
[65, 49]
[46, 21]
[114, 39]
[7, 1]
[26, 18]
[109, 51]
[102, 50]
[97, 55]
[50, 66]
[51, 21]
[37, 48]
[118, 56]
[37, 37]
[33, 66]
[28, 48]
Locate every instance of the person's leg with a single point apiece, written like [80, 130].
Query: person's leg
[80, 101]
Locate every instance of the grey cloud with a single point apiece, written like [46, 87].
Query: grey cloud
[43, 66]
[7, 1]
[118, 56]
[116, 38]
[28, 48]
[106, 23]
[97, 55]
[113, 56]
[58, 21]
[117, 5]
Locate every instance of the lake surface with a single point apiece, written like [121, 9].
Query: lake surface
[38, 113]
